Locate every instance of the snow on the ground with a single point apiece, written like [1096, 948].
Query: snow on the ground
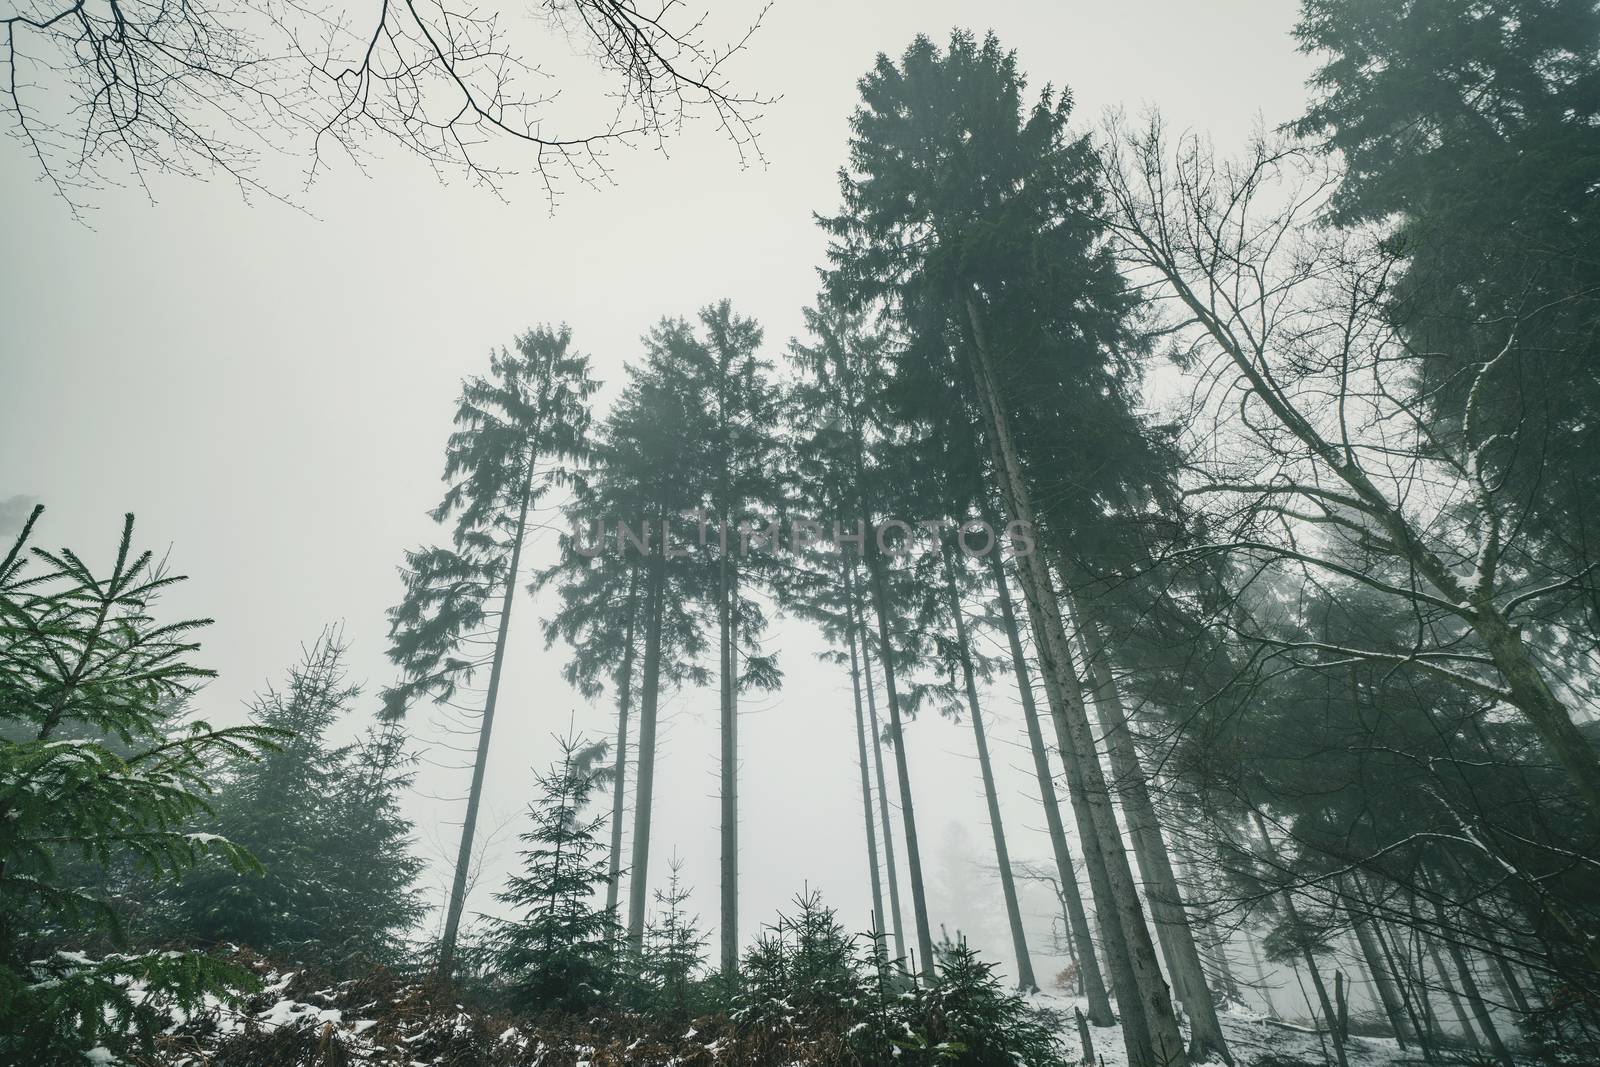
[1252, 1038]
[369, 1032]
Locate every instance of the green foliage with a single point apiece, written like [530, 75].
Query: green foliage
[968, 1018]
[518, 431]
[1471, 134]
[819, 995]
[559, 951]
[94, 769]
[803, 963]
[674, 952]
[59, 1006]
[338, 884]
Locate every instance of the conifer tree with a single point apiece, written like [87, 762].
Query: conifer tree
[517, 428]
[971, 216]
[838, 403]
[337, 884]
[741, 403]
[94, 767]
[603, 632]
[559, 951]
[648, 473]
[674, 947]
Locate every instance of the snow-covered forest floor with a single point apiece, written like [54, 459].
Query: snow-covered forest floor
[294, 1019]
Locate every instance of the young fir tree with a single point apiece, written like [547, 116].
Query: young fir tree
[94, 768]
[517, 429]
[337, 885]
[559, 951]
[674, 948]
[602, 617]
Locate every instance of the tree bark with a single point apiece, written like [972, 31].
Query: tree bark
[1387, 995]
[1149, 847]
[638, 881]
[1152, 1037]
[728, 926]
[898, 923]
[1469, 989]
[861, 756]
[1008, 885]
[620, 783]
[1093, 982]
[1306, 955]
[469, 823]
[908, 821]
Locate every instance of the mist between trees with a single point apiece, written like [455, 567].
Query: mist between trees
[1304, 650]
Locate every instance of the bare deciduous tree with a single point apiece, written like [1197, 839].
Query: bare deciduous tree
[100, 91]
[1313, 444]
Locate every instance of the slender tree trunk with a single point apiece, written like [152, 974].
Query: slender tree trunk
[638, 880]
[1462, 1018]
[1149, 847]
[1328, 1015]
[1261, 976]
[728, 927]
[1404, 980]
[898, 923]
[1008, 885]
[908, 821]
[861, 757]
[469, 823]
[619, 785]
[1417, 975]
[1214, 940]
[1387, 995]
[1093, 982]
[1152, 1037]
[1510, 987]
[1469, 990]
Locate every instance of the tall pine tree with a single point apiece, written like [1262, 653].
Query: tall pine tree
[517, 428]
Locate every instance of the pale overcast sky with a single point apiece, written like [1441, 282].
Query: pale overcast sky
[270, 390]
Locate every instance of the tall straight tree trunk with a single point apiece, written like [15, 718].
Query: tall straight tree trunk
[1404, 979]
[898, 923]
[469, 823]
[1149, 847]
[861, 757]
[1388, 996]
[1008, 885]
[1480, 1010]
[908, 820]
[1417, 978]
[1261, 975]
[638, 881]
[1214, 940]
[728, 926]
[619, 785]
[1329, 1017]
[1462, 1018]
[1093, 982]
[1154, 1036]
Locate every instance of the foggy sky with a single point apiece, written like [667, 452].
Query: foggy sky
[270, 391]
